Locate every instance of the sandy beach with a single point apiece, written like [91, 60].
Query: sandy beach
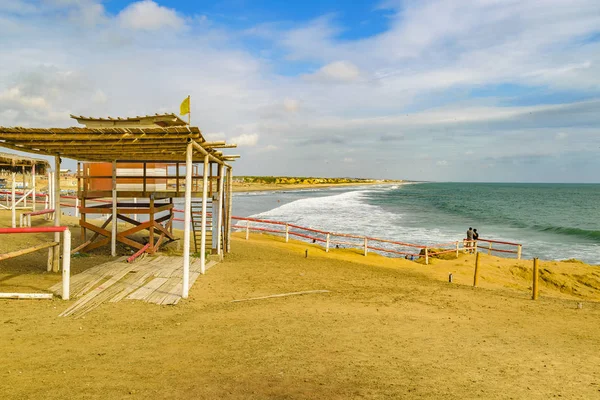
[388, 328]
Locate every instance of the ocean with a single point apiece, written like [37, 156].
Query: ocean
[552, 221]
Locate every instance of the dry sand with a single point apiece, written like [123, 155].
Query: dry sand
[388, 329]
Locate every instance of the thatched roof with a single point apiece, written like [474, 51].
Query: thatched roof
[166, 144]
[141, 121]
[15, 162]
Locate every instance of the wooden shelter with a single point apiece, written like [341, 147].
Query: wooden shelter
[14, 163]
[159, 139]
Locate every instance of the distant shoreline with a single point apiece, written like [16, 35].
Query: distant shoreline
[276, 187]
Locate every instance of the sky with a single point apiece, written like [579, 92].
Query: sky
[479, 90]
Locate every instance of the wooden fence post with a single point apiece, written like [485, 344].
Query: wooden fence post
[366, 247]
[490, 249]
[66, 265]
[536, 272]
[519, 248]
[426, 256]
[457, 249]
[287, 233]
[247, 230]
[476, 274]
[327, 244]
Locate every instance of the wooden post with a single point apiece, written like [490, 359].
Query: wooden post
[66, 267]
[327, 244]
[177, 178]
[476, 274]
[144, 180]
[247, 230]
[366, 247]
[204, 205]
[135, 216]
[221, 208]
[187, 218]
[50, 191]
[57, 213]
[490, 249]
[113, 237]
[13, 205]
[24, 187]
[76, 207]
[82, 219]
[33, 198]
[457, 249]
[536, 273]
[287, 233]
[229, 206]
[426, 256]
[519, 248]
[151, 228]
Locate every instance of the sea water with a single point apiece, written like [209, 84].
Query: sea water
[552, 221]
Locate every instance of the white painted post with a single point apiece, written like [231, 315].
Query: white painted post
[366, 247]
[229, 205]
[475, 246]
[24, 188]
[456, 249]
[220, 213]
[14, 206]
[66, 267]
[426, 256]
[287, 233]
[113, 236]
[33, 198]
[21, 220]
[327, 244]
[57, 212]
[247, 230]
[135, 216]
[519, 248]
[77, 206]
[187, 220]
[204, 204]
[490, 249]
[29, 221]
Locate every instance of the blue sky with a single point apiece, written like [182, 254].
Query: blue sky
[468, 90]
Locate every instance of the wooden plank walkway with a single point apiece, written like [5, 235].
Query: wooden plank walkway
[153, 280]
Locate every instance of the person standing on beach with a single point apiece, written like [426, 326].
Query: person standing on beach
[470, 239]
[475, 234]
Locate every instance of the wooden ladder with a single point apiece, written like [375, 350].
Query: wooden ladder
[197, 223]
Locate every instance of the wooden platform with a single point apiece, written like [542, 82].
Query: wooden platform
[153, 279]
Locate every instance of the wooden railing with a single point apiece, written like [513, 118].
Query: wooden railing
[365, 243]
[66, 264]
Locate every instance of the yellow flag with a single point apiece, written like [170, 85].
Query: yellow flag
[185, 106]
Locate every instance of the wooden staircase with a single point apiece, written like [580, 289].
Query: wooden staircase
[197, 224]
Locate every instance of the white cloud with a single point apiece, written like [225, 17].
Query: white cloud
[13, 97]
[291, 105]
[441, 163]
[149, 16]
[338, 71]
[99, 97]
[268, 148]
[561, 135]
[213, 136]
[245, 139]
